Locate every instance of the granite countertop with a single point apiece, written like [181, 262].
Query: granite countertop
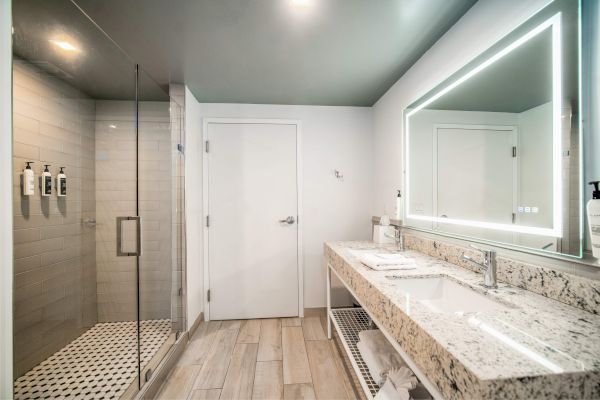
[533, 347]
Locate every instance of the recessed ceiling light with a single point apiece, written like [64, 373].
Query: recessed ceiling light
[63, 44]
[112, 126]
[301, 3]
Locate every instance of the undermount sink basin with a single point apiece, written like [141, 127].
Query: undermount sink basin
[443, 295]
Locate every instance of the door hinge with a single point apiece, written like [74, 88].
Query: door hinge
[180, 292]
[181, 148]
[514, 151]
[206, 146]
[514, 217]
[207, 221]
[208, 295]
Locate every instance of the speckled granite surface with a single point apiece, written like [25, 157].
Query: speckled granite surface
[567, 288]
[534, 348]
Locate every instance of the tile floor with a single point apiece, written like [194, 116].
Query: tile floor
[283, 358]
[99, 364]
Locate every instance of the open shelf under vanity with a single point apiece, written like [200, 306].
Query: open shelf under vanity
[348, 322]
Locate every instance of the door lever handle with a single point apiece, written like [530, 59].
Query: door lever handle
[289, 220]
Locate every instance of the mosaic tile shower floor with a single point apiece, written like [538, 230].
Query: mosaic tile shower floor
[100, 364]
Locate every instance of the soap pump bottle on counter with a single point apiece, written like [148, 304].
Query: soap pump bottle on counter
[593, 214]
[46, 182]
[399, 206]
[28, 180]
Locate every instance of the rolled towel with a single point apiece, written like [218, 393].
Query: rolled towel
[389, 392]
[402, 378]
[379, 355]
[420, 393]
[385, 262]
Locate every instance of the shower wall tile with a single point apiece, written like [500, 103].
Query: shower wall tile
[54, 266]
[116, 196]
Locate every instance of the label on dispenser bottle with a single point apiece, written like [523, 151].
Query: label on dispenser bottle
[47, 184]
[63, 187]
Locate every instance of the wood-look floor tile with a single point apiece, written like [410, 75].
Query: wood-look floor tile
[231, 324]
[268, 381]
[298, 391]
[291, 322]
[326, 379]
[179, 383]
[295, 360]
[312, 329]
[240, 376]
[342, 370]
[200, 345]
[213, 371]
[269, 344]
[200, 394]
[249, 331]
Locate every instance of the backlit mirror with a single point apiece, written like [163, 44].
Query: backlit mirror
[494, 151]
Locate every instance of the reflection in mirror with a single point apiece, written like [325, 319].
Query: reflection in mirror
[493, 152]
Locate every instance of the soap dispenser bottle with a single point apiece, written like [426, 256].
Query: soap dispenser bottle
[46, 182]
[61, 183]
[399, 206]
[593, 214]
[28, 180]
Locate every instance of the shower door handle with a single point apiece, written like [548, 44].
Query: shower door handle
[138, 237]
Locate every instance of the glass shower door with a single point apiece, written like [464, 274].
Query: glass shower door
[158, 158]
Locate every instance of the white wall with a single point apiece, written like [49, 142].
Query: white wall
[193, 208]
[332, 138]
[484, 24]
[6, 239]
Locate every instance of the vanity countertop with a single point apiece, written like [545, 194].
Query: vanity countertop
[533, 348]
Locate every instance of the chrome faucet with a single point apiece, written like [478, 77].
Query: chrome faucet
[488, 266]
[398, 237]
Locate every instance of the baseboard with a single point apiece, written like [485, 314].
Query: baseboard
[195, 325]
[315, 312]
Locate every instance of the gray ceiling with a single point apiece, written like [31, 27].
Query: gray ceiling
[517, 82]
[101, 69]
[337, 52]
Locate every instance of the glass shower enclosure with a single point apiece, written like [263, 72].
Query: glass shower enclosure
[99, 255]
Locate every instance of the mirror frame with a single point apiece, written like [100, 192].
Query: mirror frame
[549, 17]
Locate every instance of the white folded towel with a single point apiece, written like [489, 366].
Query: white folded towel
[386, 262]
[379, 355]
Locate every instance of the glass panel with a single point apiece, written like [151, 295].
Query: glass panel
[158, 170]
[75, 319]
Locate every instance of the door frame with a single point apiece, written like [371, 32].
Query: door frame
[205, 206]
[515, 171]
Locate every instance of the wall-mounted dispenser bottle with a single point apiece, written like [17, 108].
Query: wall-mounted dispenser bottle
[28, 180]
[61, 183]
[593, 214]
[46, 182]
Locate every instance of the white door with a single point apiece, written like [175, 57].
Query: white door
[252, 188]
[475, 176]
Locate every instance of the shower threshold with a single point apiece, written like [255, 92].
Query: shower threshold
[99, 364]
